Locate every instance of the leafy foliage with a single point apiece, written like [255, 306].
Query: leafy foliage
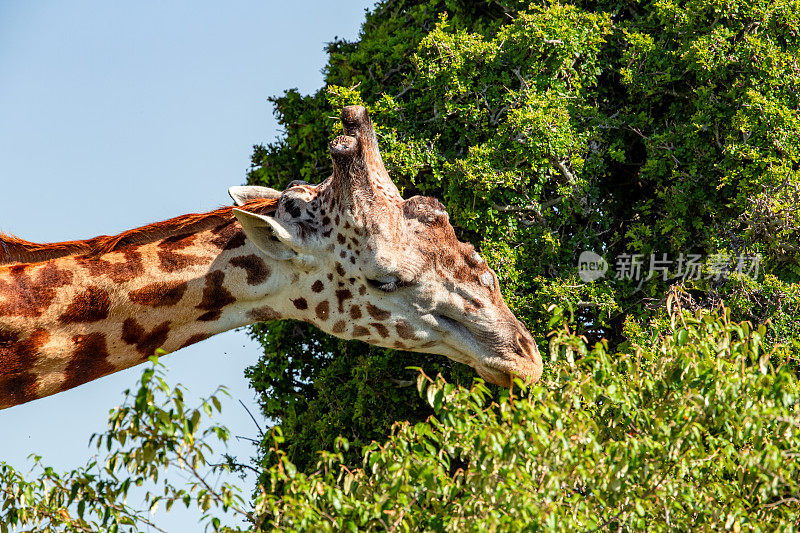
[294, 374]
[697, 429]
[152, 438]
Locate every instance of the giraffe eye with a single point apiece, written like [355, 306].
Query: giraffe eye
[386, 284]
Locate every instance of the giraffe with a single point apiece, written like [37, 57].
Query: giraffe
[348, 255]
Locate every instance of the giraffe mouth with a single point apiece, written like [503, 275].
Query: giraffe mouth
[494, 365]
[460, 339]
[462, 335]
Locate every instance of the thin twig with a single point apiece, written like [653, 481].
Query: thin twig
[564, 170]
[260, 431]
[405, 90]
[782, 501]
[237, 465]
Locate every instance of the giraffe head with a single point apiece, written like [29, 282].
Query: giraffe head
[388, 271]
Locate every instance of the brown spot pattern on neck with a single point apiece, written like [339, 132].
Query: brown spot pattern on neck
[92, 305]
[123, 271]
[146, 343]
[21, 295]
[17, 358]
[257, 271]
[170, 262]
[215, 297]
[159, 294]
[88, 360]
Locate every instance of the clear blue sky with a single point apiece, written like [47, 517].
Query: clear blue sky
[117, 114]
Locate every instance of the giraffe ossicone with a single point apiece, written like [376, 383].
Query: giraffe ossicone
[348, 255]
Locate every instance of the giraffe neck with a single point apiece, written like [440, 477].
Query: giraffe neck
[73, 319]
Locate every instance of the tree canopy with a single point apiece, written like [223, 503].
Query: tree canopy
[662, 136]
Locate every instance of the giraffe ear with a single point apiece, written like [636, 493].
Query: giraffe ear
[241, 194]
[269, 235]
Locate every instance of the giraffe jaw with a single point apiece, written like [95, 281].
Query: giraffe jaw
[493, 365]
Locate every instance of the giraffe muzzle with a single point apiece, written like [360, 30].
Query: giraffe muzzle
[527, 347]
[517, 357]
[496, 355]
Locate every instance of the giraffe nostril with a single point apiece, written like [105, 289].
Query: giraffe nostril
[526, 345]
[528, 348]
[522, 344]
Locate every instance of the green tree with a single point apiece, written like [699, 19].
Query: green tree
[661, 128]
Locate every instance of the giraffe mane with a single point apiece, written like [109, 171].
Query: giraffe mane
[16, 250]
